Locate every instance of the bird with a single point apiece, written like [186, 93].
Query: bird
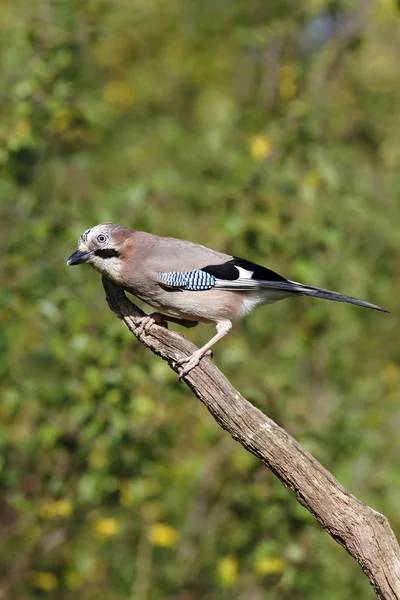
[186, 282]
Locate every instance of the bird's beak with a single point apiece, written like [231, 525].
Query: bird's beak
[78, 258]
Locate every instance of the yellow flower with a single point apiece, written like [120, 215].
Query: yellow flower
[44, 581]
[163, 535]
[106, 527]
[56, 508]
[63, 508]
[260, 147]
[228, 570]
[268, 566]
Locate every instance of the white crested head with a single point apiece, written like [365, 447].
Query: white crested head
[100, 247]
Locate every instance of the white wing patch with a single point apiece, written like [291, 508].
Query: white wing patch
[244, 273]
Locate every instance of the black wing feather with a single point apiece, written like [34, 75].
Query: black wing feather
[228, 271]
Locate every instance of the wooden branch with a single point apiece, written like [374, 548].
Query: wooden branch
[363, 532]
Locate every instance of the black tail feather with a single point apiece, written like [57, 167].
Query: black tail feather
[306, 290]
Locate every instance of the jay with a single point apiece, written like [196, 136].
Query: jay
[187, 283]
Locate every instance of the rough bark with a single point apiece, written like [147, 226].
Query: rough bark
[363, 532]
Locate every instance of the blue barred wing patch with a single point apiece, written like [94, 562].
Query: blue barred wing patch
[190, 280]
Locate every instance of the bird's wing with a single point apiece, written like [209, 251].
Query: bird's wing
[234, 274]
[238, 274]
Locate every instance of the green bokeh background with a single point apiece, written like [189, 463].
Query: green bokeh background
[265, 129]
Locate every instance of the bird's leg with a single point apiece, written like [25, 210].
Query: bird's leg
[193, 360]
[146, 322]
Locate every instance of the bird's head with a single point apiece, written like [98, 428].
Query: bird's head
[102, 247]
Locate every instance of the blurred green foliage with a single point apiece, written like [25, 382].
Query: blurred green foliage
[265, 129]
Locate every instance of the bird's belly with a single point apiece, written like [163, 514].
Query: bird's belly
[256, 298]
[204, 306]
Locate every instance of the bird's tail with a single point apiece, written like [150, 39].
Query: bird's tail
[307, 290]
[288, 288]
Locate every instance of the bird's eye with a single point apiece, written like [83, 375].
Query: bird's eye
[102, 238]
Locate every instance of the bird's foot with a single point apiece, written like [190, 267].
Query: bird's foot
[146, 322]
[192, 361]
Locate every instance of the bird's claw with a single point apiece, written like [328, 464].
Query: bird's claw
[147, 322]
[191, 361]
[144, 324]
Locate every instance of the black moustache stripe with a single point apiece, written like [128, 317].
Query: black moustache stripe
[107, 253]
